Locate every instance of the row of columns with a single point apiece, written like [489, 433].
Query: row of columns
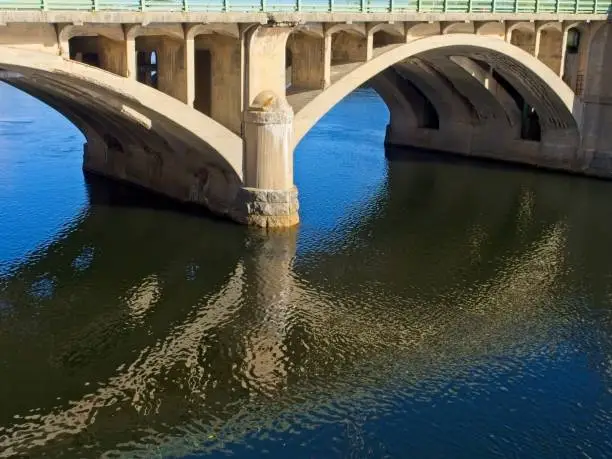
[246, 82]
[548, 42]
[314, 49]
[245, 88]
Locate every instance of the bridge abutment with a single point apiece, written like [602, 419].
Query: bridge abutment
[597, 108]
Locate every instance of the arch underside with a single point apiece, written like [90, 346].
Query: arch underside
[473, 111]
[134, 132]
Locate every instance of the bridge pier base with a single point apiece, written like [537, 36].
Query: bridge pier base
[269, 197]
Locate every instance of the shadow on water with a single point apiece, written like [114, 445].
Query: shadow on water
[121, 277]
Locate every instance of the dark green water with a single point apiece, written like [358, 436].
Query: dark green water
[424, 308]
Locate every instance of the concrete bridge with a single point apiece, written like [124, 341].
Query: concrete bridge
[205, 102]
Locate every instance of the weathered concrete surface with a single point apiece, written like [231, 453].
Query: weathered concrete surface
[221, 81]
[266, 208]
[597, 111]
[218, 130]
[266, 58]
[308, 60]
[136, 133]
[270, 197]
[547, 92]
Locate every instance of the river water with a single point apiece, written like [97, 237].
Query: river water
[425, 307]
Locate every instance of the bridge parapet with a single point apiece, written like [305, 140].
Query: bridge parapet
[576, 7]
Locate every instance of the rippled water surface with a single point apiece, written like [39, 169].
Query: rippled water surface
[425, 307]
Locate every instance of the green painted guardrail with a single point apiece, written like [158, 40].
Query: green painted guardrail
[348, 6]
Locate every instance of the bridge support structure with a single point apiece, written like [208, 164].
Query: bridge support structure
[269, 197]
[211, 112]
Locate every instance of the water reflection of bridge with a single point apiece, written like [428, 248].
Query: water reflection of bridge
[212, 328]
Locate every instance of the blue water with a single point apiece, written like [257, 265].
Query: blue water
[425, 307]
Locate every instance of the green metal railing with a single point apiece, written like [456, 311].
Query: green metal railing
[355, 6]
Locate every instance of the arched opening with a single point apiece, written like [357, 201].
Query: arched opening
[202, 77]
[350, 141]
[160, 59]
[348, 46]
[147, 64]
[101, 46]
[524, 37]
[288, 67]
[43, 151]
[386, 37]
[550, 52]
[85, 50]
[147, 68]
[540, 105]
[304, 60]
[383, 38]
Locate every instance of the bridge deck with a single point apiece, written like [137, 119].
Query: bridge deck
[192, 10]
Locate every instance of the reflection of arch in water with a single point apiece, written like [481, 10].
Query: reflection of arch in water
[139, 379]
[99, 274]
[504, 312]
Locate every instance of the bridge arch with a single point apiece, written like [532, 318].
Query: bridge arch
[132, 130]
[540, 87]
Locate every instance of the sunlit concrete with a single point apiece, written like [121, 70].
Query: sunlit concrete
[171, 102]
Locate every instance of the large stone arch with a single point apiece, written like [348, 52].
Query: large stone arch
[541, 87]
[159, 142]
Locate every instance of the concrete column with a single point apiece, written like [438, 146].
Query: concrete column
[190, 69]
[537, 40]
[63, 39]
[577, 80]
[369, 43]
[565, 32]
[219, 81]
[266, 61]
[269, 197]
[327, 59]
[172, 75]
[130, 57]
[308, 64]
[113, 56]
[226, 102]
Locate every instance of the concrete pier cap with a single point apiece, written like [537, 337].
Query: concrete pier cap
[269, 197]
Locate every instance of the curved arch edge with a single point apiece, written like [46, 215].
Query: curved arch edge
[308, 115]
